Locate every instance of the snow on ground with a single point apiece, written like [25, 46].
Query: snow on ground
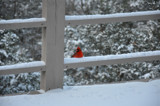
[122, 94]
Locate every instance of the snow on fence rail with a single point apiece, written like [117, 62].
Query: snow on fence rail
[53, 23]
[111, 59]
[118, 17]
[35, 66]
[81, 19]
[22, 23]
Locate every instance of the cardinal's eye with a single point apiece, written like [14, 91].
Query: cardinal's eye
[77, 50]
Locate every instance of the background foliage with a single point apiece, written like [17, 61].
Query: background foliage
[24, 45]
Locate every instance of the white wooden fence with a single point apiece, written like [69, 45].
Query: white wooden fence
[53, 22]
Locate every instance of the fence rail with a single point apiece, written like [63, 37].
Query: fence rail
[81, 19]
[111, 59]
[109, 18]
[22, 23]
[53, 22]
[36, 66]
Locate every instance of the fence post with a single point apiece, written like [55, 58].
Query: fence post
[53, 44]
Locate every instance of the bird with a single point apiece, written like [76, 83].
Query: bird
[78, 53]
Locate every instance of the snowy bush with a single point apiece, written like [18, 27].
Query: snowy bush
[112, 38]
[19, 83]
[10, 50]
[11, 53]
[21, 45]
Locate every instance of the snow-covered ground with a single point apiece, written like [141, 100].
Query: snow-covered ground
[122, 94]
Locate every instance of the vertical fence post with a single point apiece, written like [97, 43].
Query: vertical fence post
[53, 44]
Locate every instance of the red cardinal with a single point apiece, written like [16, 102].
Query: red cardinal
[78, 53]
